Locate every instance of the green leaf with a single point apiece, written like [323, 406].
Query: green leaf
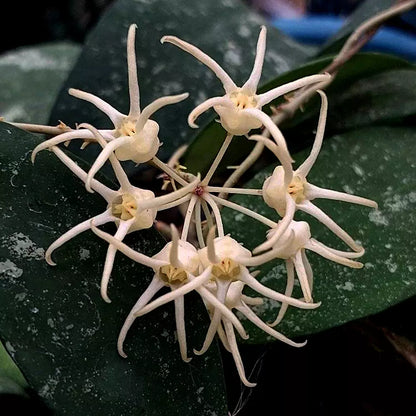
[61, 333]
[385, 98]
[30, 79]
[226, 30]
[371, 81]
[377, 163]
[9, 370]
[9, 386]
[363, 12]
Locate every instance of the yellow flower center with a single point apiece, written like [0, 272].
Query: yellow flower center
[226, 270]
[125, 207]
[171, 275]
[296, 189]
[243, 101]
[128, 128]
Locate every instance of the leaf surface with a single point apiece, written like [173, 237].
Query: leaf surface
[60, 332]
[30, 79]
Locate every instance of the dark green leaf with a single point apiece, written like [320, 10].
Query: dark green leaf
[60, 332]
[388, 97]
[30, 79]
[226, 30]
[378, 163]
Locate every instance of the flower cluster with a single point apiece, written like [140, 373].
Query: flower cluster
[202, 257]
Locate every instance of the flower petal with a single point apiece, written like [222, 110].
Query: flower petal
[249, 314]
[114, 115]
[268, 96]
[306, 166]
[107, 193]
[180, 328]
[253, 81]
[265, 291]
[207, 104]
[157, 104]
[78, 229]
[134, 92]
[309, 208]
[236, 353]
[227, 82]
[102, 158]
[147, 295]
[312, 192]
[122, 230]
[176, 292]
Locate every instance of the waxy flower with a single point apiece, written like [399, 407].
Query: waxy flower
[235, 299]
[287, 191]
[228, 260]
[291, 246]
[135, 136]
[130, 208]
[178, 267]
[240, 108]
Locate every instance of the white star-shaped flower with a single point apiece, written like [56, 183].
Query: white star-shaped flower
[135, 136]
[228, 260]
[287, 191]
[178, 267]
[130, 208]
[291, 246]
[240, 108]
[235, 299]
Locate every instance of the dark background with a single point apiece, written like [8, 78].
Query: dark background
[48, 20]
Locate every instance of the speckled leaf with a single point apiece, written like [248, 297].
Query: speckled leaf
[225, 29]
[378, 163]
[60, 332]
[374, 82]
[364, 11]
[10, 375]
[30, 79]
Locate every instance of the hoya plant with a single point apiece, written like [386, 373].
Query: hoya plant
[185, 193]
